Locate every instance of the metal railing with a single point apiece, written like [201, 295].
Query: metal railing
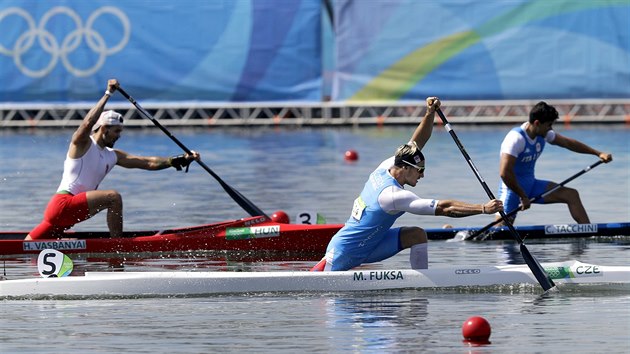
[207, 114]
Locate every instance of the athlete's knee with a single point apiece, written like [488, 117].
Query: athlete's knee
[420, 236]
[570, 195]
[412, 236]
[111, 199]
[100, 200]
[115, 198]
[573, 193]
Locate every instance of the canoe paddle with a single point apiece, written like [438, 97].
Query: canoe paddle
[537, 270]
[475, 234]
[248, 206]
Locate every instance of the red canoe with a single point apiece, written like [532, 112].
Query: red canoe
[259, 235]
[248, 234]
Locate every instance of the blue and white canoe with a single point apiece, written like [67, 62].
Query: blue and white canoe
[541, 232]
[192, 283]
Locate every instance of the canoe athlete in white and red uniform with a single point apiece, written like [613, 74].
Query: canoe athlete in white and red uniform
[91, 155]
[368, 236]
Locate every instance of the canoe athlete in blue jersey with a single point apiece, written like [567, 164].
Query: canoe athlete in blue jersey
[368, 236]
[519, 152]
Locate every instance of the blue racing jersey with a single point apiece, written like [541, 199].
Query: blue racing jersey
[368, 223]
[526, 159]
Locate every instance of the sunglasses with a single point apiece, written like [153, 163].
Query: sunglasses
[418, 168]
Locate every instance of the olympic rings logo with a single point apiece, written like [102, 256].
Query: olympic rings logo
[49, 43]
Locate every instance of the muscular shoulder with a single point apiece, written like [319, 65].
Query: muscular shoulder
[513, 144]
[550, 137]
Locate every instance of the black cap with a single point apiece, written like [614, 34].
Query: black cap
[408, 154]
[411, 159]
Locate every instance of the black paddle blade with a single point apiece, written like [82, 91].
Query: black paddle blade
[533, 264]
[538, 271]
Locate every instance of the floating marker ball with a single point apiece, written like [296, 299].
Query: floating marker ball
[280, 217]
[476, 329]
[351, 155]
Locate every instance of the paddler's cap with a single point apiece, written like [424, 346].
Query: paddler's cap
[108, 118]
[409, 154]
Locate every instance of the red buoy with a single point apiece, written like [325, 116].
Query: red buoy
[280, 217]
[476, 329]
[351, 155]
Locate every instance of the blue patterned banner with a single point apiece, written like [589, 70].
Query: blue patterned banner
[219, 50]
[271, 50]
[495, 49]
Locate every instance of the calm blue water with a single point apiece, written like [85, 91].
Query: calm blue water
[303, 170]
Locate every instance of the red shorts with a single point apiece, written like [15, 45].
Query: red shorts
[63, 212]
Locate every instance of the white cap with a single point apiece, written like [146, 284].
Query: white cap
[108, 118]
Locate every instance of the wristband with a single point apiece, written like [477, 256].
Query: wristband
[107, 93]
[483, 209]
[179, 161]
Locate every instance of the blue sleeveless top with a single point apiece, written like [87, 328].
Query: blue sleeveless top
[368, 222]
[526, 160]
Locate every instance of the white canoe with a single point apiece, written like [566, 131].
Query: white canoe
[183, 283]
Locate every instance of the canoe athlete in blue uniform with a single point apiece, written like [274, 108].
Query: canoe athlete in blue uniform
[368, 235]
[520, 150]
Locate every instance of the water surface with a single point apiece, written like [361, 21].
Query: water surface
[303, 170]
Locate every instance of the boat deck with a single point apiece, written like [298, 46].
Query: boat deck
[189, 283]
